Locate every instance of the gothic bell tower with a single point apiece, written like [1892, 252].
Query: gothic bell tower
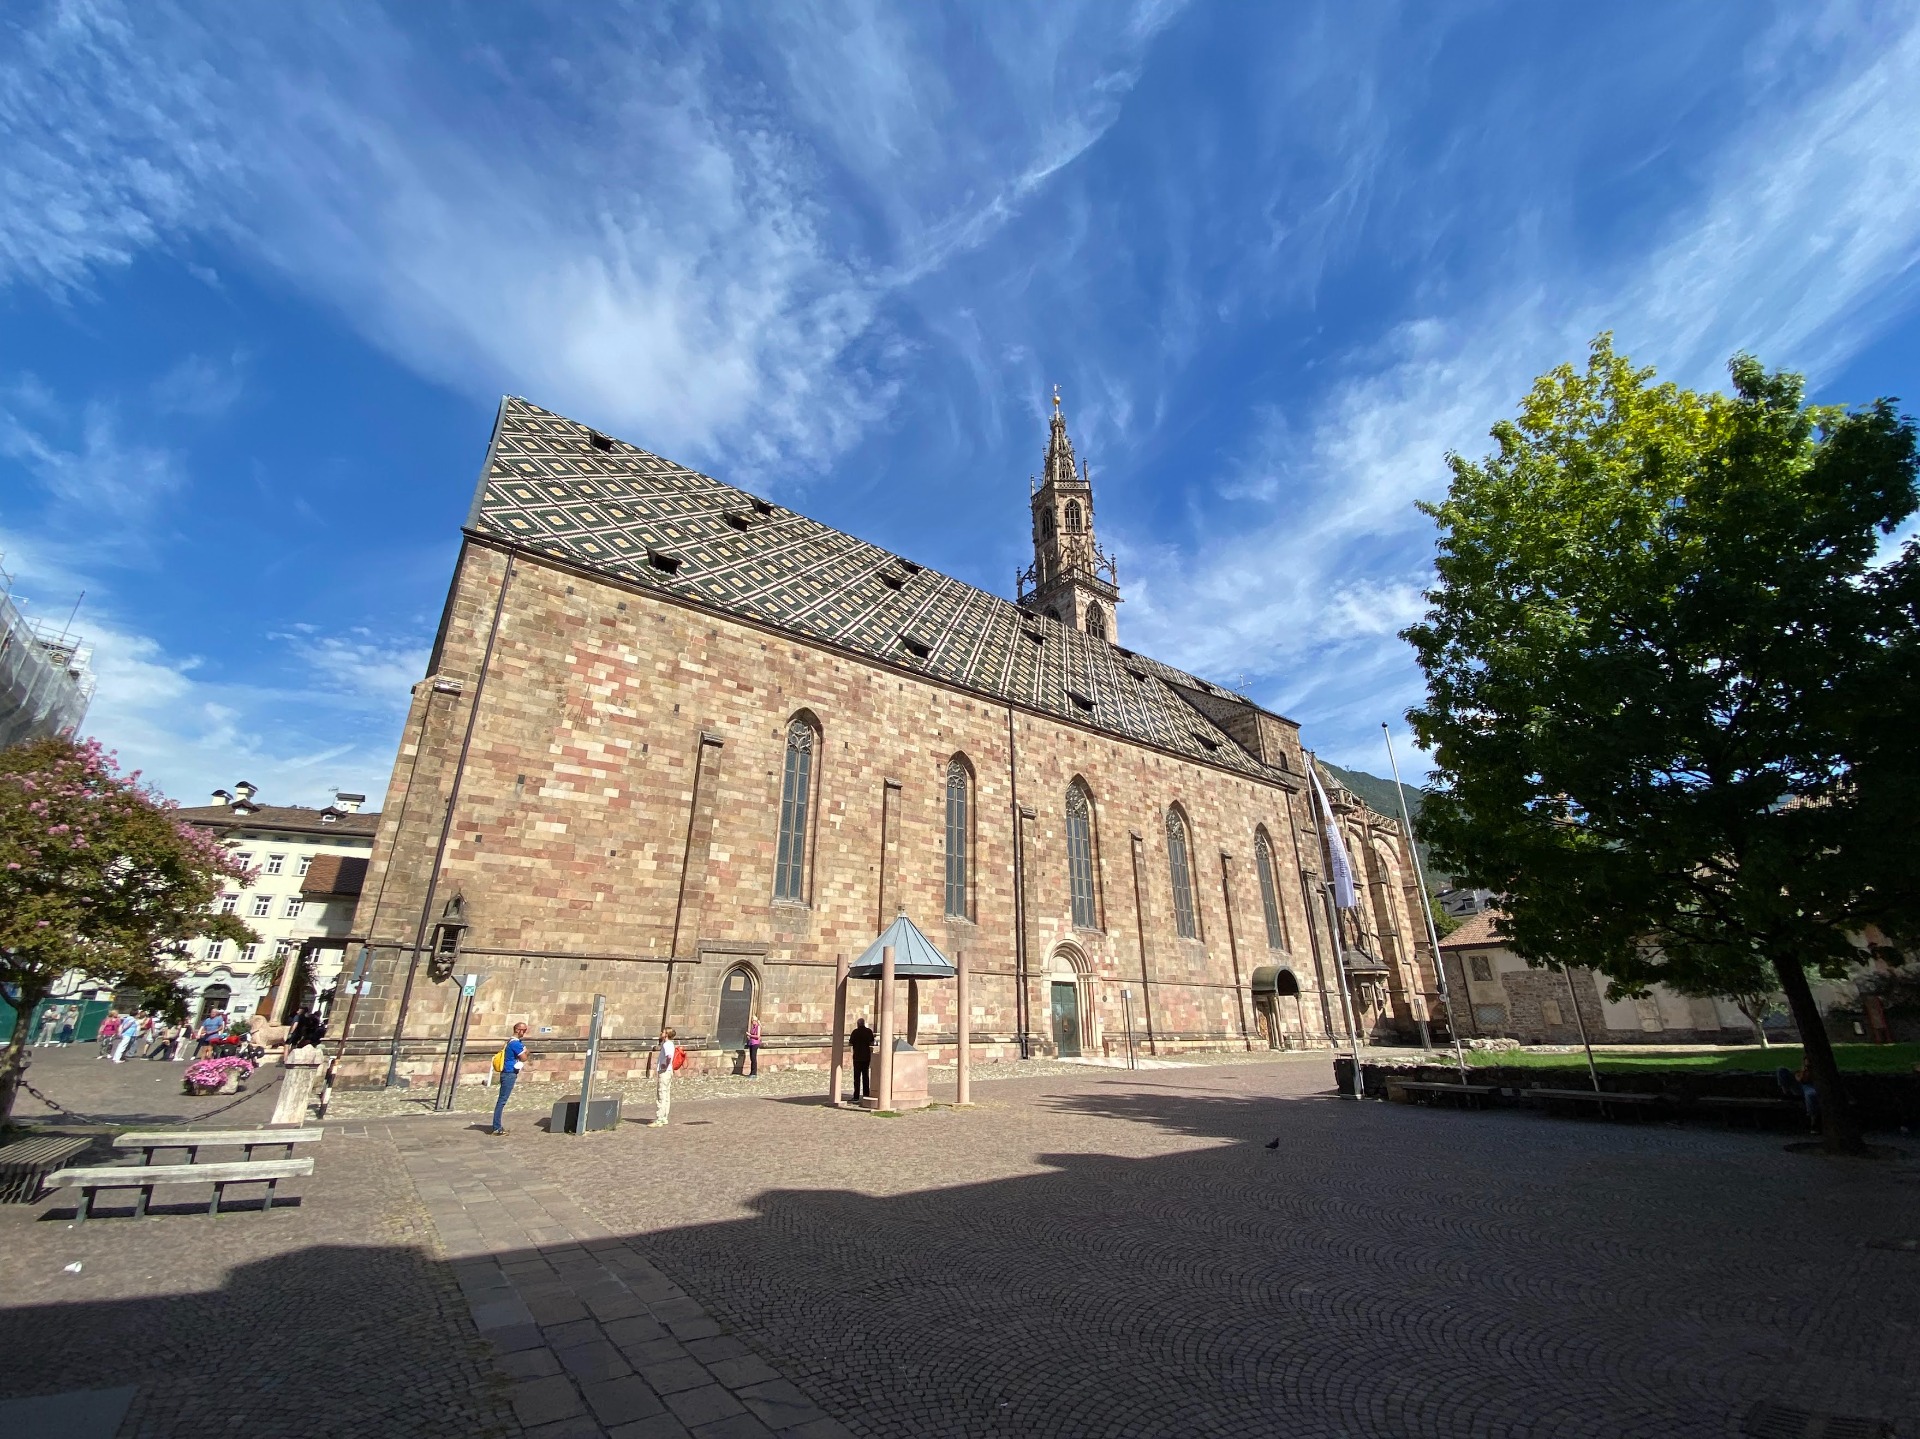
[1072, 578]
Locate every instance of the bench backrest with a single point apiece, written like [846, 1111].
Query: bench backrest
[181, 1138]
[133, 1176]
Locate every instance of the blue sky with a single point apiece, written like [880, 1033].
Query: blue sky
[265, 272]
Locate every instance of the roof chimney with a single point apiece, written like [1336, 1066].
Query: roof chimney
[222, 796]
[348, 803]
[245, 791]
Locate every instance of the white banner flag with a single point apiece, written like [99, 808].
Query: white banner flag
[1344, 896]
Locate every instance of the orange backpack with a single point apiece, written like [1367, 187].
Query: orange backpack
[679, 1057]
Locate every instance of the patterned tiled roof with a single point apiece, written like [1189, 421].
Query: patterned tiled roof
[554, 487]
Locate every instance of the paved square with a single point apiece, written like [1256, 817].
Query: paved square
[1091, 1253]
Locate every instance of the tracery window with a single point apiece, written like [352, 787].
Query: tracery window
[1097, 621]
[1269, 893]
[958, 819]
[796, 795]
[1181, 872]
[1080, 856]
[1073, 517]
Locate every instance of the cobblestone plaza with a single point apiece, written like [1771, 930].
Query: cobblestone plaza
[1088, 1253]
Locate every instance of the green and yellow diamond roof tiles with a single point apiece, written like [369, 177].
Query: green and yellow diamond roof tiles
[550, 489]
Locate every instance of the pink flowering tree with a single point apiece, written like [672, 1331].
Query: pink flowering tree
[97, 876]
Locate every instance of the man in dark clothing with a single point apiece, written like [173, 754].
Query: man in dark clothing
[308, 1029]
[862, 1041]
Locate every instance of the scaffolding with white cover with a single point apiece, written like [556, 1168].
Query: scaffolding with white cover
[46, 676]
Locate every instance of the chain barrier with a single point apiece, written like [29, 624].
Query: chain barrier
[60, 1108]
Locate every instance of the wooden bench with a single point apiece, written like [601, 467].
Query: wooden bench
[1604, 1102]
[148, 1177]
[1467, 1096]
[24, 1163]
[1732, 1107]
[193, 1141]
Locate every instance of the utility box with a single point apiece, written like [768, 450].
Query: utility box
[601, 1113]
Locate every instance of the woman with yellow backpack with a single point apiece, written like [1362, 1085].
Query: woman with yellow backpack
[507, 1064]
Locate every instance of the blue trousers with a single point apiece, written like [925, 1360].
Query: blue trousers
[507, 1078]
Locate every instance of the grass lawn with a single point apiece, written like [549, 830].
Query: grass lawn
[1861, 1058]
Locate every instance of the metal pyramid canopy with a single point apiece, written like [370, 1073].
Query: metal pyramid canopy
[914, 956]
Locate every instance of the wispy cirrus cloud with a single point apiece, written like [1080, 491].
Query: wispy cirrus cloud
[1803, 243]
[658, 254]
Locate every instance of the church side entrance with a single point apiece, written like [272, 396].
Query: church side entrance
[736, 1008]
[1066, 1018]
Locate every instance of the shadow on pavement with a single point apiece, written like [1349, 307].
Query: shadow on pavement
[1385, 1272]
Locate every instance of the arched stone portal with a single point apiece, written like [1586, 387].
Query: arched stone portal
[1070, 1001]
[1285, 1026]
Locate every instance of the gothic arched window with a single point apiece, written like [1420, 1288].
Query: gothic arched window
[1097, 621]
[1269, 892]
[1073, 517]
[796, 796]
[1086, 913]
[958, 832]
[1046, 524]
[1180, 869]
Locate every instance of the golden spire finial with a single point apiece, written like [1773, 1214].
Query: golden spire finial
[1056, 397]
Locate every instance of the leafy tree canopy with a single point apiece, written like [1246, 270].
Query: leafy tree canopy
[1671, 659]
[97, 876]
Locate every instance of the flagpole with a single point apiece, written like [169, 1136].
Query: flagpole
[1328, 840]
[1426, 907]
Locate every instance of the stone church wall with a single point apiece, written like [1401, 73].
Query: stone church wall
[618, 807]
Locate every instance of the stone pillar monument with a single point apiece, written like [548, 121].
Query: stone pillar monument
[297, 1073]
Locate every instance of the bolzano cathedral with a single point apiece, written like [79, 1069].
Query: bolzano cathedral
[686, 749]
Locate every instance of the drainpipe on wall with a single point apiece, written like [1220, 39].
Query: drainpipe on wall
[446, 825]
[1019, 894]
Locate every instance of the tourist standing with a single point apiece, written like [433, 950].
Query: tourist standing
[109, 1032]
[512, 1060]
[49, 1025]
[165, 1036]
[69, 1018]
[210, 1028]
[862, 1042]
[663, 1067]
[129, 1031]
[753, 1047]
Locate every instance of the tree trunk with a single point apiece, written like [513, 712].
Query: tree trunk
[13, 1065]
[1839, 1126]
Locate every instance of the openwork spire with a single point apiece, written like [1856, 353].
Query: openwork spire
[1060, 467]
[1072, 579]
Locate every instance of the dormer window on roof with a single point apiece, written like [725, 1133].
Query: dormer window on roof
[918, 648]
[738, 520]
[1080, 702]
[1207, 742]
[1037, 636]
[599, 441]
[893, 581]
[665, 561]
[762, 507]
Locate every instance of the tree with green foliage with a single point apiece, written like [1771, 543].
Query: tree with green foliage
[97, 877]
[1673, 661]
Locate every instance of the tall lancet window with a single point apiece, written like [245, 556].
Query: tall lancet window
[796, 796]
[1269, 892]
[959, 812]
[1181, 872]
[1073, 517]
[1080, 856]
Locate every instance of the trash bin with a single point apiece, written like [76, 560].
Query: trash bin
[1343, 1073]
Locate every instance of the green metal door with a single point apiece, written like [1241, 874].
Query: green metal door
[1066, 1019]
